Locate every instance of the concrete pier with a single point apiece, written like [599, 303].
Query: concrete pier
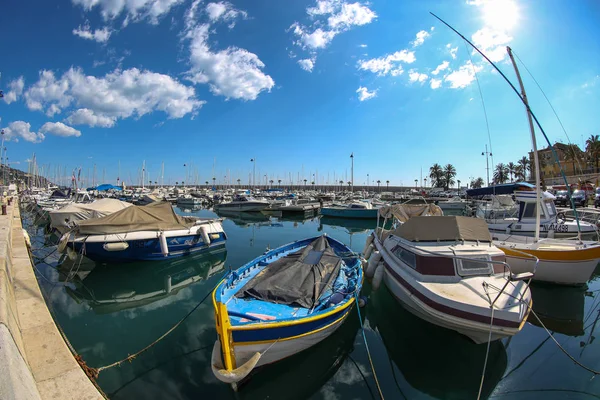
[35, 361]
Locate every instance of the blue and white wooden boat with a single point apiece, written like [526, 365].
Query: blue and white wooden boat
[281, 303]
[358, 209]
[152, 232]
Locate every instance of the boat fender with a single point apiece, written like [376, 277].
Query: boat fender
[362, 301]
[369, 251]
[204, 233]
[164, 248]
[369, 241]
[373, 261]
[116, 246]
[550, 234]
[234, 375]
[378, 276]
[62, 243]
[335, 298]
[72, 254]
[27, 239]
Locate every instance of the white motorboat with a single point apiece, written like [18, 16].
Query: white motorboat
[447, 271]
[243, 203]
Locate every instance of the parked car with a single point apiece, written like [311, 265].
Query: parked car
[579, 198]
[562, 198]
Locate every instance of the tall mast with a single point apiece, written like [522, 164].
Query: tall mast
[538, 189]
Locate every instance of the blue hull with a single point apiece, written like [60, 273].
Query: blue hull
[349, 213]
[149, 249]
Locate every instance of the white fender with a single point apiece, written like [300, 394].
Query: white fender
[204, 233]
[71, 254]
[235, 375]
[377, 278]
[116, 246]
[62, 243]
[373, 261]
[28, 240]
[369, 241]
[368, 252]
[164, 248]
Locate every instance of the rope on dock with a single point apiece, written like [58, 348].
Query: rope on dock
[96, 371]
[362, 328]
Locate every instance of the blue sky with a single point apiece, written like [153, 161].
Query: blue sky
[297, 85]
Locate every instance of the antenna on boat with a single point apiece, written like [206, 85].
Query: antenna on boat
[529, 111]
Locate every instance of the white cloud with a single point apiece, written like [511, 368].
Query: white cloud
[499, 17]
[435, 83]
[134, 10]
[307, 64]
[415, 76]
[118, 94]
[234, 73]
[98, 35]
[492, 43]
[388, 63]
[59, 129]
[85, 116]
[440, 68]
[22, 130]
[362, 45]
[224, 11]
[15, 90]
[364, 94]
[420, 39]
[464, 76]
[330, 18]
[452, 51]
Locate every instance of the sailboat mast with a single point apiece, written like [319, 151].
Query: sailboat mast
[538, 190]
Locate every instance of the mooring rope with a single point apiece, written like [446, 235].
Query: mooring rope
[487, 352]
[367, 347]
[96, 371]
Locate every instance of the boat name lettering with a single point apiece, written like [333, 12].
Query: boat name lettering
[556, 227]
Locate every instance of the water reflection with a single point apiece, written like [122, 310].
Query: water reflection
[113, 288]
[436, 361]
[243, 218]
[560, 308]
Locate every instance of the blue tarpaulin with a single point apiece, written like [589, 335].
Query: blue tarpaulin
[507, 188]
[105, 187]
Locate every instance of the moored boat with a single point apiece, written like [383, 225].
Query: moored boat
[152, 232]
[281, 303]
[357, 209]
[447, 271]
[243, 203]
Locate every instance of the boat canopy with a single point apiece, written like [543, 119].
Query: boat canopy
[433, 229]
[108, 186]
[97, 209]
[153, 217]
[507, 188]
[299, 278]
[403, 212]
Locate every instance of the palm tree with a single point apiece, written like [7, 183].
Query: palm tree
[477, 183]
[436, 173]
[592, 148]
[387, 183]
[519, 174]
[176, 183]
[573, 154]
[449, 174]
[271, 182]
[279, 181]
[501, 173]
[511, 169]
[206, 183]
[305, 183]
[525, 165]
[182, 183]
[238, 181]
[378, 182]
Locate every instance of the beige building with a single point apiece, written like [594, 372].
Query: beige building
[549, 167]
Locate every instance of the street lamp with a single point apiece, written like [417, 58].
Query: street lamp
[416, 182]
[253, 161]
[487, 163]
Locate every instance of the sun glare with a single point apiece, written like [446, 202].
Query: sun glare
[500, 14]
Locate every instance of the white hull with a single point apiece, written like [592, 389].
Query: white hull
[241, 207]
[561, 272]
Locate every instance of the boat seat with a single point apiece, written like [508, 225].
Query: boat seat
[521, 277]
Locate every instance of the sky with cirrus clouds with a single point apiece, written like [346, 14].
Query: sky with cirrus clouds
[297, 85]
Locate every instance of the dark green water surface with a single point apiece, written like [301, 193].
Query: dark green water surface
[110, 311]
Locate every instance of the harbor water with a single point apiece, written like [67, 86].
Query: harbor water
[108, 312]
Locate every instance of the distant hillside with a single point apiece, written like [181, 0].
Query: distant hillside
[12, 175]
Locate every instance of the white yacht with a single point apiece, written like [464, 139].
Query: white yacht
[243, 203]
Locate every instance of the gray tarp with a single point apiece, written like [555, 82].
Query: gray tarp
[156, 216]
[431, 229]
[403, 212]
[299, 279]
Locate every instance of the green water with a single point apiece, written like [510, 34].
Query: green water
[111, 311]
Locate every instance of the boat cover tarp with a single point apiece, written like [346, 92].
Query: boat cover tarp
[432, 229]
[507, 188]
[299, 278]
[403, 212]
[108, 186]
[83, 211]
[153, 217]
[59, 194]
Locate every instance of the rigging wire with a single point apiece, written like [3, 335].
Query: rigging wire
[550, 104]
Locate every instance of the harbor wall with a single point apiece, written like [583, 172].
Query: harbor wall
[35, 361]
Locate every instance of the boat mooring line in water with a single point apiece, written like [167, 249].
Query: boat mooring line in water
[487, 351]
[361, 374]
[362, 328]
[94, 372]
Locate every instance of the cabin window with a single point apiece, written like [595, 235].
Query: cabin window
[529, 210]
[406, 256]
[473, 266]
[551, 209]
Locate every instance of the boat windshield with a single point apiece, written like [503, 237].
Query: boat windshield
[551, 209]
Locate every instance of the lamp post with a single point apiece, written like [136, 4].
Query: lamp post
[416, 183]
[253, 161]
[487, 163]
[368, 182]
[352, 172]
